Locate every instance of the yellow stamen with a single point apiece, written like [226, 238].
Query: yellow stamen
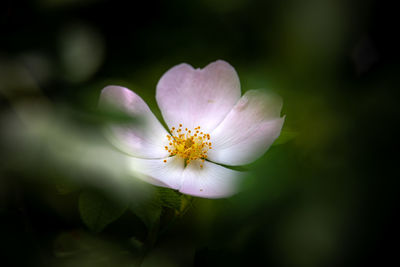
[187, 146]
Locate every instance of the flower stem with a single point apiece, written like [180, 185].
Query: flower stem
[186, 205]
[149, 243]
[155, 231]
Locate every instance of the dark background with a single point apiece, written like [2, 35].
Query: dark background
[326, 197]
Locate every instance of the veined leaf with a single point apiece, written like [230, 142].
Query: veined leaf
[170, 198]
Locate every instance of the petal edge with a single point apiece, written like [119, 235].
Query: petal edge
[196, 97]
[248, 130]
[145, 139]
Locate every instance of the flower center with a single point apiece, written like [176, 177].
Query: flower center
[188, 144]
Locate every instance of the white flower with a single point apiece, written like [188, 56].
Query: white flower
[209, 124]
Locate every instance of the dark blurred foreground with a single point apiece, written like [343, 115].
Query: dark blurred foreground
[323, 195]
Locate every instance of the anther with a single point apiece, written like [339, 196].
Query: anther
[189, 146]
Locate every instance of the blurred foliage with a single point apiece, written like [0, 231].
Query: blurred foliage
[97, 212]
[323, 195]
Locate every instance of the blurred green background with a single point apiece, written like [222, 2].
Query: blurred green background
[324, 195]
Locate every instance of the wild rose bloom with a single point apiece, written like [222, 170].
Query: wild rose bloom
[209, 124]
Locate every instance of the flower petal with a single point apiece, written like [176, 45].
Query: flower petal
[158, 172]
[198, 97]
[209, 181]
[145, 139]
[248, 130]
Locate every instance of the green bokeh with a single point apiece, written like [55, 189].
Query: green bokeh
[323, 195]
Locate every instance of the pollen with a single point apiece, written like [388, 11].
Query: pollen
[183, 143]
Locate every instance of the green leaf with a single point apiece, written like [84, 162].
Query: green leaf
[170, 198]
[285, 137]
[98, 211]
[149, 210]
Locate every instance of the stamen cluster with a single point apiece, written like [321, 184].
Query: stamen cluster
[188, 144]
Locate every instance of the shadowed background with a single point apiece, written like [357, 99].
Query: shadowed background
[323, 195]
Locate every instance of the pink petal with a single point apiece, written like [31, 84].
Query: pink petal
[248, 130]
[198, 97]
[145, 139]
[158, 172]
[209, 181]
